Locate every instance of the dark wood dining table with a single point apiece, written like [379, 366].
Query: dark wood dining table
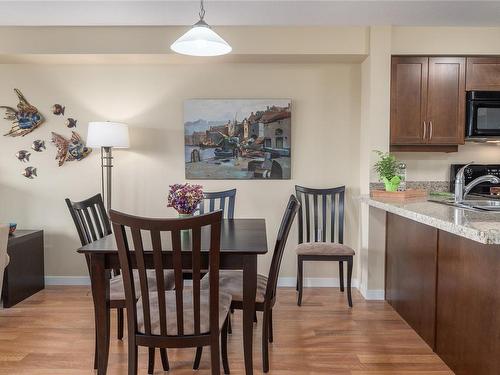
[242, 240]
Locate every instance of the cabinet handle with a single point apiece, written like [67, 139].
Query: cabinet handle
[425, 130]
[430, 130]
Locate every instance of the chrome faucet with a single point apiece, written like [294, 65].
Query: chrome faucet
[462, 190]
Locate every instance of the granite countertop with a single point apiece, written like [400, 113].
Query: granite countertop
[480, 226]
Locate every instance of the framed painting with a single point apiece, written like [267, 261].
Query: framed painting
[244, 139]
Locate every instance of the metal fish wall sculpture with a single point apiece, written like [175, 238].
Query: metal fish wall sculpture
[71, 123]
[58, 109]
[70, 149]
[29, 172]
[25, 118]
[23, 155]
[38, 145]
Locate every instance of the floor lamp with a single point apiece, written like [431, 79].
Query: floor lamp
[107, 135]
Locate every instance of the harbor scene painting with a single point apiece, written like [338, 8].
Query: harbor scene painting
[237, 139]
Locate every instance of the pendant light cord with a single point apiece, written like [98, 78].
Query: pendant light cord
[202, 10]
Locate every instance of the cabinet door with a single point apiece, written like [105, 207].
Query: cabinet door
[410, 273]
[468, 305]
[446, 100]
[408, 100]
[483, 73]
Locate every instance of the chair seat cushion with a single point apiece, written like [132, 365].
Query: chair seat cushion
[324, 248]
[231, 281]
[188, 312]
[117, 291]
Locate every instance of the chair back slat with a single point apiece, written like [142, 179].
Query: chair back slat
[143, 278]
[291, 210]
[308, 221]
[177, 230]
[177, 262]
[196, 278]
[301, 224]
[84, 227]
[128, 279]
[323, 215]
[330, 217]
[315, 210]
[90, 219]
[217, 201]
[160, 280]
[97, 221]
[341, 218]
[333, 212]
[213, 269]
[90, 224]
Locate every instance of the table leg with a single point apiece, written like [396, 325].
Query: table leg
[100, 294]
[249, 291]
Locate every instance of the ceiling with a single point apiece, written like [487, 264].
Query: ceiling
[250, 12]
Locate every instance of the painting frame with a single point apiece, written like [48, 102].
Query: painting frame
[237, 139]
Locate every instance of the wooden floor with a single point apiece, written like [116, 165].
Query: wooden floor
[52, 334]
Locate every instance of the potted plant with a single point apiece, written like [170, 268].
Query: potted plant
[185, 198]
[387, 168]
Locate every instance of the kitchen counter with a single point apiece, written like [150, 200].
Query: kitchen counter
[482, 227]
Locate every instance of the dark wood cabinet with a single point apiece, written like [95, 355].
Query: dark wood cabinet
[408, 100]
[483, 73]
[427, 103]
[24, 275]
[468, 306]
[410, 282]
[446, 101]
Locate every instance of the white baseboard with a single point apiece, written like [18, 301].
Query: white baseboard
[374, 295]
[67, 280]
[309, 282]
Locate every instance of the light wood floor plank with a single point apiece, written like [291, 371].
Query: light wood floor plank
[52, 332]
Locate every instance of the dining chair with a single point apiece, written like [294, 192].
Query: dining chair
[4, 257]
[322, 213]
[92, 223]
[217, 201]
[232, 282]
[182, 318]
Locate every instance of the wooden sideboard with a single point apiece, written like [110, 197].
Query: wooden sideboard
[24, 275]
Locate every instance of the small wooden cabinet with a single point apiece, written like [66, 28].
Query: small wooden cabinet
[24, 275]
[483, 73]
[427, 103]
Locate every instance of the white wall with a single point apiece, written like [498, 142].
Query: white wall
[325, 136]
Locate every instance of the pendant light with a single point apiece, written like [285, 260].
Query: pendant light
[201, 40]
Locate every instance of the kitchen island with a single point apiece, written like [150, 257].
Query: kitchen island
[442, 275]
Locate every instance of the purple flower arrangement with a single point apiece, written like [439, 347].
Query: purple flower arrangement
[185, 198]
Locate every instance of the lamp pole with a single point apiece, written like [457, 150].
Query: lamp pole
[106, 164]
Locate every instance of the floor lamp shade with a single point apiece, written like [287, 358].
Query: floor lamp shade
[107, 135]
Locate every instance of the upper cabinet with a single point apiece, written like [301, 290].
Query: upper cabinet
[427, 103]
[408, 100]
[483, 73]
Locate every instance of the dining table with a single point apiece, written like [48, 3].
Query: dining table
[242, 240]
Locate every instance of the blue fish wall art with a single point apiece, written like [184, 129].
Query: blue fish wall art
[25, 118]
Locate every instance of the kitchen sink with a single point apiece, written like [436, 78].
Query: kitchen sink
[472, 204]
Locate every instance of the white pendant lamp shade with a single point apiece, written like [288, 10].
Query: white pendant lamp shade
[200, 40]
[107, 134]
